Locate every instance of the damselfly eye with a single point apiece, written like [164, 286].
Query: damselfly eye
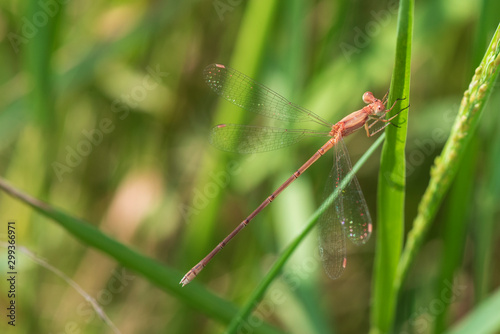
[368, 97]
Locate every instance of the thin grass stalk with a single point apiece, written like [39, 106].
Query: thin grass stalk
[275, 270]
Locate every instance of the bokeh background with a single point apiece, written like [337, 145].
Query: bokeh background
[104, 113]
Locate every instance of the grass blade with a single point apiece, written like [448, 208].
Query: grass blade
[285, 255]
[162, 276]
[391, 185]
[484, 256]
[455, 232]
[484, 318]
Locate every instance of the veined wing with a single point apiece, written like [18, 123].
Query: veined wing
[331, 233]
[255, 139]
[351, 205]
[348, 215]
[248, 94]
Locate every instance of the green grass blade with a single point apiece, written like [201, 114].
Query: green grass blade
[296, 206]
[488, 200]
[484, 319]
[38, 56]
[162, 276]
[455, 232]
[285, 255]
[391, 185]
[446, 165]
[484, 254]
[250, 46]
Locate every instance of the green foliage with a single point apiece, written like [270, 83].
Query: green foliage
[104, 115]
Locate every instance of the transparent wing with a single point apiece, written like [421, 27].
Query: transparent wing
[331, 233]
[248, 94]
[348, 215]
[255, 139]
[353, 211]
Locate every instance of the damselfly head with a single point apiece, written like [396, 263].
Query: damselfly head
[378, 107]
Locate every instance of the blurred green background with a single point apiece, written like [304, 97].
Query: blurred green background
[104, 113]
